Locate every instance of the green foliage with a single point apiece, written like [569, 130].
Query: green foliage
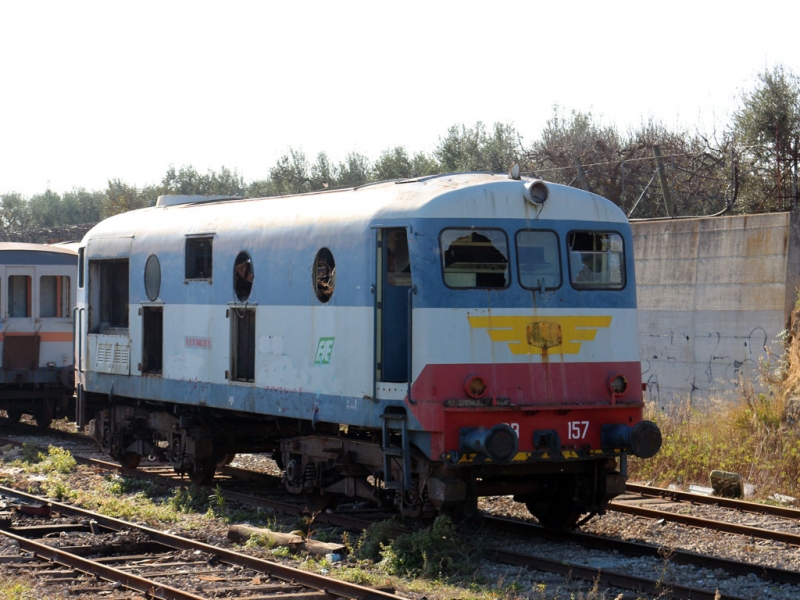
[767, 127]
[18, 590]
[191, 499]
[434, 552]
[475, 149]
[57, 460]
[119, 485]
[262, 540]
[372, 540]
[187, 181]
[31, 454]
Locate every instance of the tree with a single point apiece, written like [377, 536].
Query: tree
[393, 163]
[354, 171]
[465, 149]
[577, 150]
[187, 181]
[15, 215]
[767, 129]
[121, 197]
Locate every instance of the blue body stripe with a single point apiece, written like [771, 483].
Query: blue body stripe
[283, 261]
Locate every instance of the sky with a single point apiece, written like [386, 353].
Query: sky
[93, 91]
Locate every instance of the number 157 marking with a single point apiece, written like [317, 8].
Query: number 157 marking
[576, 430]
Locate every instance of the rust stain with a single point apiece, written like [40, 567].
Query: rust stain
[544, 335]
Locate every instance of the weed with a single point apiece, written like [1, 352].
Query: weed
[191, 499]
[119, 485]
[55, 486]
[281, 552]
[434, 552]
[58, 460]
[371, 542]
[260, 540]
[31, 454]
[217, 499]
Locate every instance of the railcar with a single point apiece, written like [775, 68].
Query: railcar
[416, 343]
[37, 294]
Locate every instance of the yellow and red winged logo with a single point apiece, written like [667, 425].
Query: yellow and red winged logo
[541, 335]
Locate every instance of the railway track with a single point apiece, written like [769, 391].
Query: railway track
[159, 564]
[240, 486]
[727, 514]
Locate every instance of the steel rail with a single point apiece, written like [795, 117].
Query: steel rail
[630, 548]
[612, 578]
[277, 570]
[743, 505]
[712, 524]
[152, 589]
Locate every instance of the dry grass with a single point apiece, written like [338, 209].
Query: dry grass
[758, 437]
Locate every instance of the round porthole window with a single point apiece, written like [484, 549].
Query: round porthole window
[242, 276]
[324, 275]
[152, 277]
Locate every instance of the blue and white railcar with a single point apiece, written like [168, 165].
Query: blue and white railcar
[421, 342]
[37, 294]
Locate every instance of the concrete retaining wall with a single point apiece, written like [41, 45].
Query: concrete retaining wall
[714, 296]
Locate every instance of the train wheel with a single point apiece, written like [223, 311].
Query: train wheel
[560, 516]
[203, 471]
[226, 460]
[130, 460]
[43, 416]
[13, 416]
[555, 507]
[318, 502]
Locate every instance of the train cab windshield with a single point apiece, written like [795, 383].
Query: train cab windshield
[475, 258]
[596, 260]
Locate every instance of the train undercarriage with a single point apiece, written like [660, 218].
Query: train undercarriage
[329, 463]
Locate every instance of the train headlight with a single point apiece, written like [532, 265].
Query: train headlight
[499, 443]
[535, 192]
[475, 386]
[617, 384]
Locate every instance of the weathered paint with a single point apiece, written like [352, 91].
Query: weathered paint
[714, 296]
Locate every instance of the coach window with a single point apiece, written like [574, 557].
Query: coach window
[398, 264]
[537, 260]
[596, 260]
[19, 296]
[111, 295]
[54, 298]
[242, 276]
[198, 258]
[324, 275]
[243, 339]
[474, 258]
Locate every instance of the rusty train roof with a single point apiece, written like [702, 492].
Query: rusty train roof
[463, 195]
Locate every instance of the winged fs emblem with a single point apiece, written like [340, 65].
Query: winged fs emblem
[544, 335]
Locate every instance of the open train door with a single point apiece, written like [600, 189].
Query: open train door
[393, 319]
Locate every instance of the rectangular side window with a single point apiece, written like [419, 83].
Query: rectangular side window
[198, 257]
[19, 296]
[538, 260]
[108, 295]
[153, 340]
[243, 344]
[81, 253]
[474, 258]
[54, 301]
[596, 260]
